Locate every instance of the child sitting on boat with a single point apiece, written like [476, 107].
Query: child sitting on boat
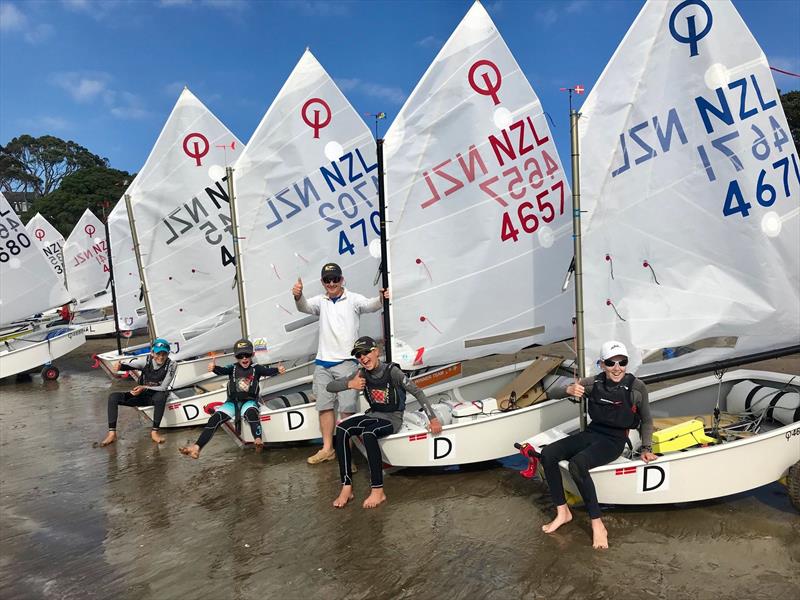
[617, 402]
[156, 374]
[243, 380]
[385, 387]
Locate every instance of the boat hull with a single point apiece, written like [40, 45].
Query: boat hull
[188, 372]
[39, 347]
[697, 473]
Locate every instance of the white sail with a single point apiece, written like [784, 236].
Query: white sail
[478, 208]
[86, 258]
[181, 212]
[306, 194]
[49, 240]
[29, 284]
[127, 285]
[690, 183]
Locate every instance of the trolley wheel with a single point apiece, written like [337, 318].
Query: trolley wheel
[793, 484]
[50, 373]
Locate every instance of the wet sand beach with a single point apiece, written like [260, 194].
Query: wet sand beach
[137, 520]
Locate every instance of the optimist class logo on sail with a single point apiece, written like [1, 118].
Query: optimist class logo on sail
[515, 166]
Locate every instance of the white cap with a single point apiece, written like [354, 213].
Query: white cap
[613, 348]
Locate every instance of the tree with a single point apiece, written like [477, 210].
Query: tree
[40, 164]
[791, 106]
[91, 187]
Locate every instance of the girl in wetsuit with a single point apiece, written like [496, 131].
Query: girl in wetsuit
[385, 387]
[617, 403]
[243, 379]
[156, 374]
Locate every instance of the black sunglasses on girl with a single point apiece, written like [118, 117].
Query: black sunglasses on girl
[331, 279]
[241, 356]
[610, 363]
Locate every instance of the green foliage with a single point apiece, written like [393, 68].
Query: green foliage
[791, 106]
[94, 188]
[40, 164]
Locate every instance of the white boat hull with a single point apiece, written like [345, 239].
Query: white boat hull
[34, 349]
[97, 329]
[697, 473]
[478, 439]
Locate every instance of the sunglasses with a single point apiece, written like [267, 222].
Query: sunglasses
[610, 363]
[331, 279]
[241, 356]
[358, 355]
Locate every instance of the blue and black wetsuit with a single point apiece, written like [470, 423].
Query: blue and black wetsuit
[243, 392]
[156, 379]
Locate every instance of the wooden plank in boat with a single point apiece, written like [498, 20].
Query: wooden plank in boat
[525, 385]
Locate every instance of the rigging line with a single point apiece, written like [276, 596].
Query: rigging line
[611, 304]
[646, 264]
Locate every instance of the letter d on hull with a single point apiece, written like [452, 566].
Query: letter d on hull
[652, 478]
[191, 411]
[441, 448]
[295, 420]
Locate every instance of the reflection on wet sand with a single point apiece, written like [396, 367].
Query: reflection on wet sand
[137, 520]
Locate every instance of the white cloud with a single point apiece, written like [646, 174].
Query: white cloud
[11, 18]
[46, 123]
[430, 41]
[547, 17]
[128, 106]
[393, 95]
[83, 87]
[39, 33]
[576, 6]
[174, 88]
[174, 2]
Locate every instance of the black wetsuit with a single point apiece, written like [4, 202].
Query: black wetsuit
[614, 409]
[157, 379]
[242, 387]
[385, 391]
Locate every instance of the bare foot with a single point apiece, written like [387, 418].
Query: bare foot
[259, 444]
[599, 535]
[157, 438]
[376, 498]
[193, 450]
[344, 496]
[109, 439]
[563, 516]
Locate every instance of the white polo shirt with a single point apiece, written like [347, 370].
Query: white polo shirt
[338, 321]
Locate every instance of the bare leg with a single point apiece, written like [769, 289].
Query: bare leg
[327, 422]
[259, 444]
[158, 439]
[193, 450]
[599, 534]
[110, 438]
[344, 496]
[376, 498]
[563, 515]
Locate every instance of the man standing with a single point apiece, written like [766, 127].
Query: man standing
[339, 310]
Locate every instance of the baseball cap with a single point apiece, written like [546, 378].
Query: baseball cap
[364, 344]
[243, 346]
[613, 348]
[331, 270]
[160, 345]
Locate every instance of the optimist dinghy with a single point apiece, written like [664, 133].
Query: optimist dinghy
[478, 243]
[30, 286]
[699, 248]
[89, 276]
[179, 205]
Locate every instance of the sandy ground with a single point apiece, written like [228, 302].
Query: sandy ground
[137, 521]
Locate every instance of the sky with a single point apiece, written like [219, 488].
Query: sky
[106, 73]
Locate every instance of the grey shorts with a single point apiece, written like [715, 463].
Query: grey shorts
[343, 402]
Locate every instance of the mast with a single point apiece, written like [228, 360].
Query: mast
[236, 255]
[113, 287]
[151, 326]
[387, 325]
[574, 115]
